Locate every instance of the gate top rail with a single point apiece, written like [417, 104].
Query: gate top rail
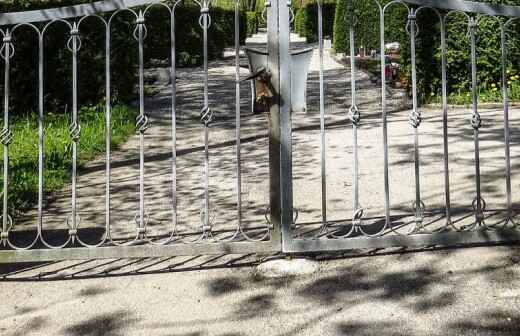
[112, 5]
[70, 11]
[470, 6]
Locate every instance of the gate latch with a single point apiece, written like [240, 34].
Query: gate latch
[264, 91]
[258, 73]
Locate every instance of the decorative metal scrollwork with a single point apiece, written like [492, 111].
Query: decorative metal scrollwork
[142, 123]
[358, 217]
[472, 26]
[267, 4]
[73, 229]
[291, 12]
[418, 209]
[476, 120]
[206, 116]
[204, 12]
[412, 20]
[415, 118]
[74, 37]
[140, 22]
[4, 235]
[75, 131]
[479, 206]
[6, 137]
[9, 45]
[354, 115]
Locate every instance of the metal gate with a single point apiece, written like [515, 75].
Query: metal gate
[418, 224]
[279, 231]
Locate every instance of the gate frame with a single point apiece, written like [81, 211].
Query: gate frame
[290, 244]
[273, 245]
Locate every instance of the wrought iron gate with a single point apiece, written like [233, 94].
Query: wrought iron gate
[278, 232]
[420, 224]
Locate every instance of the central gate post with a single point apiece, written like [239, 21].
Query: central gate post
[280, 129]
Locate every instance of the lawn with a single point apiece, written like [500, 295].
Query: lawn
[23, 151]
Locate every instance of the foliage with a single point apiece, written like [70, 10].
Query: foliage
[366, 18]
[299, 21]
[490, 93]
[252, 23]
[123, 53]
[306, 20]
[428, 52]
[23, 151]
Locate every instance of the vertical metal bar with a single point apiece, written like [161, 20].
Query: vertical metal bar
[237, 114]
[143, 119]
[322, 121]
[445, 120]
[41, 142]
[415, 120]
[286, 175]
[173, 79]
[205, 22]
[6, 132]
[475, 120]
[384, 117]
[273, 63]
[108, 130]
[354, 112]
[505, 96]
[75, 126]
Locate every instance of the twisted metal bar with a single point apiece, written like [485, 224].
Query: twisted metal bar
[75, 128]
[415, 120]
[142, 125]
[323, 146]
[507, 136]
[206, 117]
[6, 136]
[355, 118]
[476, 123]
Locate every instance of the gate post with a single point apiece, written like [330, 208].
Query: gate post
[280, 128]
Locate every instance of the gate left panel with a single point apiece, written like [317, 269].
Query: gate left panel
[127, 131]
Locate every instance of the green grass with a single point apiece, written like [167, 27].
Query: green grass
[23, 151]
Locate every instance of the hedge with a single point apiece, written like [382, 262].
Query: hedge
[252, 23]
[306, 21]
[458, 53]
[91, 65]
[366, 25]
[428, 53]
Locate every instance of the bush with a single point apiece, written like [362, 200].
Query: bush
[458, 54]
[299, 21]
[366, 25]
[252, 23]
[306, 21]
[91, 65]
[428, 53]
[188, 42]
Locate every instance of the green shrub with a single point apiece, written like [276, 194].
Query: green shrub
[458, 54]
[310, 28]
[252, 23]
[366, 27]
[299, 21]
[428, 53]
[306, 21]
[124, 57]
